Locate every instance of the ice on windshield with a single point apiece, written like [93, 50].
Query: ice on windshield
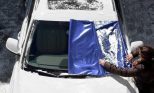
[76, 4]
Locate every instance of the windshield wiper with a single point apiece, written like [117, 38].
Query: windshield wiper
[58, 74]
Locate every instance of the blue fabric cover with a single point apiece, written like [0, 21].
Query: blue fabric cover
[84, 49]
[113, 43]
[86, 46]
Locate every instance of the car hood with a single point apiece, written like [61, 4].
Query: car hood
[27, 82]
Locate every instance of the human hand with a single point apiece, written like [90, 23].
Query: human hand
[102, 62]
[129, 57]
[135, 63]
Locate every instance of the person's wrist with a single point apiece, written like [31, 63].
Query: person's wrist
[132, 56]
[102, 62]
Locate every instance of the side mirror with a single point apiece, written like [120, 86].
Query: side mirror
[136, 44]
[12, 45]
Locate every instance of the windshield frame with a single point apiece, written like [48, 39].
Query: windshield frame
[27, 45]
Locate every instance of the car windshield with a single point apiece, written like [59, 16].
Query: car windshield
[49, 47]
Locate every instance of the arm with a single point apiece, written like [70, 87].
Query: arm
[121, 71]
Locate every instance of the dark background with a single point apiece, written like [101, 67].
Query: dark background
[11, 16]
[137, 18]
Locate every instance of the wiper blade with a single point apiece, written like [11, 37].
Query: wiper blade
[46, 74]
[77, 76]
[43, 73]
[50, 74]
[72, 76]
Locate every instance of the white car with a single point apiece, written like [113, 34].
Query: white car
[35, 73]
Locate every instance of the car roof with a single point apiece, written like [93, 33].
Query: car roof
[42, 12]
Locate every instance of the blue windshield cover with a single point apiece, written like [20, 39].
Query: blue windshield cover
[84, 49]
[112, 43]
[90, 41]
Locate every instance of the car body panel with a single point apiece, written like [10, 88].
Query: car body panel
[31, 82]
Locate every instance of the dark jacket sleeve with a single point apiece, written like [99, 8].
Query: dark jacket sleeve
[127, 72]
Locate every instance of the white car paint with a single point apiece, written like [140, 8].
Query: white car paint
[28, 82]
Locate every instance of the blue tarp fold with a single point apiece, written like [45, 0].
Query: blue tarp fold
[89, 41]
[113, 43]
[84, 49]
